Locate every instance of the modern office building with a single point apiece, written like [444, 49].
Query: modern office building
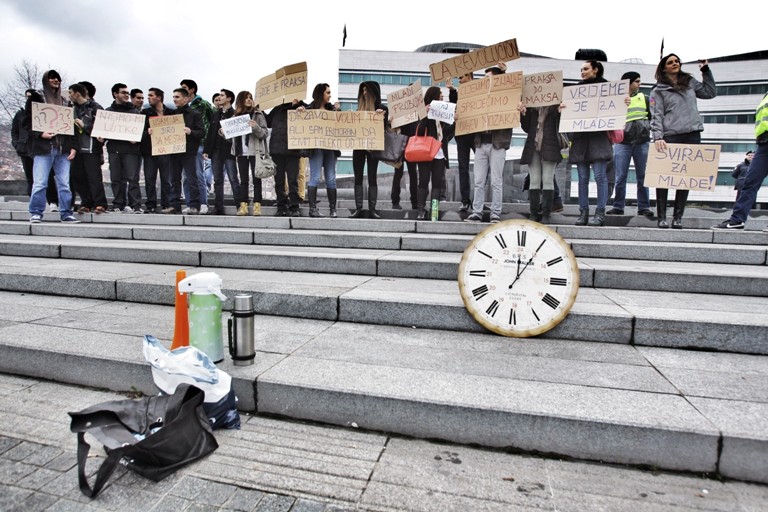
[742, 80]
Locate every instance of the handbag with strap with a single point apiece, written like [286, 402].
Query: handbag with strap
[421, 148]
[264, 167]
[394, 148]
[616, 136]
[153, 436]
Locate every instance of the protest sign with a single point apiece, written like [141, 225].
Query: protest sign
[594, 107]
[489, 103]
[282, 86]
[442, 111]
[118, 125]
[683, 166]
[49, 118]
[328, 129]
[481, 58]
[168, 135]
[236, 126]
[543, 89]
[406, 105]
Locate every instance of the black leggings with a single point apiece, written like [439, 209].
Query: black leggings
[358, 165]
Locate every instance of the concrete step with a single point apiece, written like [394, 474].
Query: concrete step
[660, 407]
[654, 318]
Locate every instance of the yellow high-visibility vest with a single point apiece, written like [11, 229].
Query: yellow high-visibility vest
[761, 117]
[637, 108]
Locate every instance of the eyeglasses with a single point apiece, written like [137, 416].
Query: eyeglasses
[123, 92]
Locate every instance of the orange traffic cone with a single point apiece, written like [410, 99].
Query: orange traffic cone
[181, 326]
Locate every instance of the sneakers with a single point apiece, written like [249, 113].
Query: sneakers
[242, 209]
[614, 211]
[495, 219]
[116, 209]
[170, 210]
[192, 211]
[256, 209]
[69, 219]
[53, 207]
[83, 209]
[99, 210]
[396, 206]
[185, 211]
[36, 219]
[646, 213]
[281, 213]
[474, 218]
[729, 224]
[127, 209]
[464, 206]
[295, 213]
[203, 209]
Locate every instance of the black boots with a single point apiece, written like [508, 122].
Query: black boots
[599, 218]
[583, 217]
[312, 197]
[358, 213]
[661, 207]
[332, 201]
[547, 197]
[681, 196]
[534, 197]
[373, 193]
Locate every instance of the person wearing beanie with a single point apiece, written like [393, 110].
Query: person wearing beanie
[637, 136]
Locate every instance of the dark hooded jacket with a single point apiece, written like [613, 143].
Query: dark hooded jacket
[123, 146]
[550, 143]
[36, 144]
[375, 88]
[277, 120]
[194, 121]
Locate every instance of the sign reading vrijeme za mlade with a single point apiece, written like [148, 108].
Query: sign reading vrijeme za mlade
[328, 129]
[683, 166]
[594, 107]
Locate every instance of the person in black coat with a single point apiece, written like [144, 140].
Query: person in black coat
[542, 154]
[740, 172]
[368, 99]
[433, 170]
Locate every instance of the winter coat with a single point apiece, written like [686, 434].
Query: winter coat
[216, 144]
[740, 173]
[550, 144]
[277, 120]
[254, 142]
[87, 114]
[36, 144]
[19, 135]
[589, 147]
[146, 138]
[194, 122]
[123, 146]
[674, 111]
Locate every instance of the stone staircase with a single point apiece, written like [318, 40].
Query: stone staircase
[661, 362]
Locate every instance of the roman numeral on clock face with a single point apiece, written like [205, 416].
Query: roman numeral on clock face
[500, 239]
[480, 292]
[512, 317]
[521, 236]
[554, 261]
[550, 301]
[534, 314]
[558, 281]
[493, 308]
[477, 273]
[486, 255]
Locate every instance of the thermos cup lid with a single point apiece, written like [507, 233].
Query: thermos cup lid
[243, 302]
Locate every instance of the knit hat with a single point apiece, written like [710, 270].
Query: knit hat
[631, 75]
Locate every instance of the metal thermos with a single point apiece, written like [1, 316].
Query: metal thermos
[241, 331]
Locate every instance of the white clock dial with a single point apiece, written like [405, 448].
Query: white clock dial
[518, 278]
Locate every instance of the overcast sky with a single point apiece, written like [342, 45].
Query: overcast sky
[233, 43]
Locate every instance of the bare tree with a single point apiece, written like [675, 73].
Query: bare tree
[26, 75]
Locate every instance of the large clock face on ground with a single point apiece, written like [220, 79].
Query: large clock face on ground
[518, 278]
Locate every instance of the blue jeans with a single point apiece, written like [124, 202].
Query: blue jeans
[601, 178]
[322, 160]
[220, 166]
[758, 169]
[621, 156]
[201, 166]
[41, 169]
[489, 160]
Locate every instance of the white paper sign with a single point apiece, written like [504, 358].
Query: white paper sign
[442, 111]
[236, 126]
[118, 125]
[594, 107]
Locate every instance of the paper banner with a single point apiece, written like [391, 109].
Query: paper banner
[118, 125]
[683, 166]
[543, 89]
[282, 86]
[49, 118]
[482, 58]
[594, 107]
[489, 103]
[236, 126]
[168, 135]
[328, 129]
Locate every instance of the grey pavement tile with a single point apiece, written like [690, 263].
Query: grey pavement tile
[137, 500]
[577, 502]
[6, 443]
[12, 471]
[304, 505]
[748, 387]
[187, 487]
[275, 503]
[11, 496]
[171, 504]
[749, 497]
[215, 493]
[43, 455]
[705, 361]
[21, 451]
[38, 479]
[65, 505]
[35, 501]
[243, 499]
[63, 462]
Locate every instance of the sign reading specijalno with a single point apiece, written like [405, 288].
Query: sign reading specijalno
[168, 135]
[328, 129]
[489, 103]
[282, 86]
[481, 58]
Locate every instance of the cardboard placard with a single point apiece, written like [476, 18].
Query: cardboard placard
[118, 125]
[444, 111]
[489, 103]
[482, 58]
[47, 118]
[168, 135]
[282, 86]
[683, 166]
[406, 105]
[543, 89]
[328, 129]
[236, 126]
[594, 107]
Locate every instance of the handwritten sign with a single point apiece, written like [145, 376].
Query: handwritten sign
[168, 135]
[328, 129]
[236, 126]
[489, 103]
[48, 118]
[406, 105]
[594, 107]
[683, 166]
[118, 125]
[282, 86]
[543, 89]
[482, 58]
[444, 111]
